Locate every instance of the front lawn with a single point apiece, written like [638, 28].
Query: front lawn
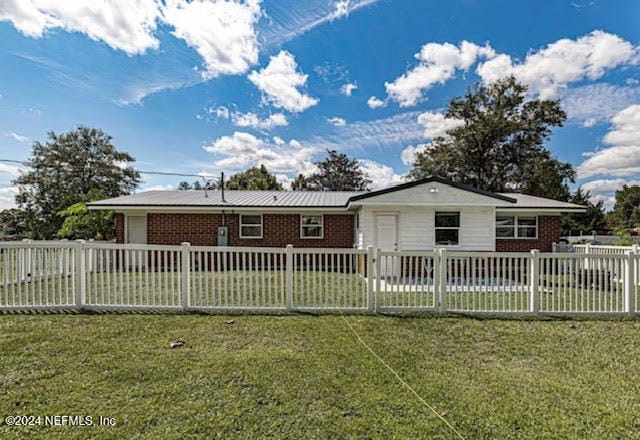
[308, 376]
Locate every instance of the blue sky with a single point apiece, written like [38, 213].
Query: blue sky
[221, 85]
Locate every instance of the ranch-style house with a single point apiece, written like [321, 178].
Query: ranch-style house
[420, 215]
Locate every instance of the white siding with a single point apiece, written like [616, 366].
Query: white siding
[433, 194]
[416, 227]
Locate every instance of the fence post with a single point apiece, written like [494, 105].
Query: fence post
[185, 262]
[635, 249]
[26, 260]
[288, 273]
[64, 259]
[371, 293]
[629, 284]
[442, 288]
[79, 272]
[554, 247]
[91, 257]
[378, 262]
[534, 281]
[436, 279]
[587, 251]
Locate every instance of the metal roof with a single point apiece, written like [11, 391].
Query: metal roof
[248, 199]
[306, 199]
[527, 201]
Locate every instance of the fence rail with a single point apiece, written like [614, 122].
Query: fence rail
[105, 276]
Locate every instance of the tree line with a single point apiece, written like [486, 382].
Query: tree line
[499, 144]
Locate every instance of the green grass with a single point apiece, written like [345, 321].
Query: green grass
[308, 377]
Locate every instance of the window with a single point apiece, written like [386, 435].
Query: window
[447, 228]
[251, 226]
[311, 226]
[516, 227]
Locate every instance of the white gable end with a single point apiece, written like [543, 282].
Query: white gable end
[432, 194]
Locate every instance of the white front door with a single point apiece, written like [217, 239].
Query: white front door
[137, 229]
[387, 240]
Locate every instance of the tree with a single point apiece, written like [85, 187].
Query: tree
[256, 178]
[338, 173]
[64, 170]
[499, 143]
[592, 220]
[184, 186]
[13, 224]
[81, 223]
[626, 210]
[299, 183]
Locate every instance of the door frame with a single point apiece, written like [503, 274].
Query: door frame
[387, 272]
[375, 225]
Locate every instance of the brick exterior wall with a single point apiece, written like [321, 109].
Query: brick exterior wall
[119, 218]
[278, 230]
[282, 229]
[548, 232]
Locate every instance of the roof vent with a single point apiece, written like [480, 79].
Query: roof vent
[275, 197]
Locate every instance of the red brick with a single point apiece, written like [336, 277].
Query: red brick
[548, 232]
[278, 230]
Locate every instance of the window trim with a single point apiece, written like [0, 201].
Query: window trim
[516, 226]
[321, 236]
[457, 228]
[250, 237]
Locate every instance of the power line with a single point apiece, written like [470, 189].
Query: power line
[15, 161]
[160, 173]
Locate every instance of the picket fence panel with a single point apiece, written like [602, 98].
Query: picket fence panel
[47, 275]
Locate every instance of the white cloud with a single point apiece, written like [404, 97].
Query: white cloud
[589, 122]
[607, 185]
[400, 129]
[242, 150]
[252, 120]
[221, 112]
[382, 176]
[7, 197]
[126, 25]
[374, 102]
[550, 69]
[284, 180]
[604, 189]
[17, 137]
[437, 64]
[341, 9]
[626, 128]
[599, 102]
[167, 187]
[279, 82]
[337, 121]
[622, 158]
[408, 155]
[292, 19]
[248, 119]
[9, 170]
[348, 88]
[221, 31]
[613, 161]
[436, 124]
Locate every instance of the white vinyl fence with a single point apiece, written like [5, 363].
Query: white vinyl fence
[604, 249]
[105, 276]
